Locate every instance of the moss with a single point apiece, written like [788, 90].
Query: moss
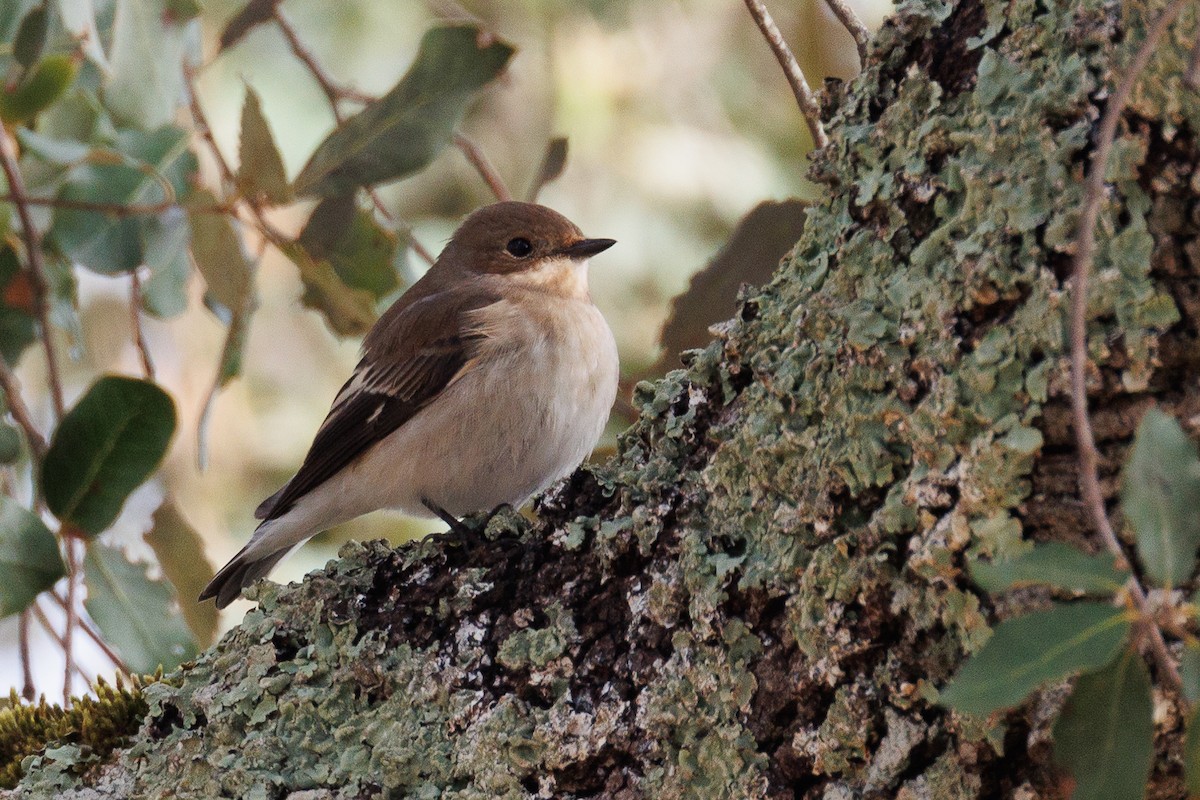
[760, 594]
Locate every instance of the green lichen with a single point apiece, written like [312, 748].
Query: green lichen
[761, 593]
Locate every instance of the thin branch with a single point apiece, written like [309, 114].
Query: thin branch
[791, 68]
[68, 637]
[484, 167]
[333, 90]
[56, 636]
[416, 246]
[135, 321]
[37, 268]
[1089, 456]
[117, 209]
[20, 412]
[845, 14]
[28, 690]
[94, 635]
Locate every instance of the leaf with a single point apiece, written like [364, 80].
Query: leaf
[260, 169]
[349, 312]
[138, 616]
[149, 48]
[1105, 734]
[1026, 652]
[17, 330]
[41, 87]
[220, 254]
[404, 130]
[751, 255]
[1160, 496]
[180, 553]
[1053, 564]
[79, 18]
[31, 37]
[360, 251]
[104, 448]
[256, 12]
[29, 559]
[149, 165]
[1191, 754]
[165, 241]
[553, 163]
[10, 444]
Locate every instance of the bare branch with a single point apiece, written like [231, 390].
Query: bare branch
[20, 412]
[94, 635]
[28, 690]
[791, 68]
[1085, 439]
[333, 91]
[484, 167]
[845, 14]
[56, 636]
[37, 268]
[68, 636]
[135, 321]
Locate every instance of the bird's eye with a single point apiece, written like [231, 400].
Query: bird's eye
[519, 247]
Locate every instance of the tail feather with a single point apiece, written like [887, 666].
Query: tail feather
[242, 570]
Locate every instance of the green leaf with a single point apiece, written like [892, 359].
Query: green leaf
[31, 37]
[10, 444]
[554, 161]
[1053, 564]
[1026, 652]
[104, 448]
[1191, 754]
[165, 241]
[349, 312]
[260, 171]
[1105, 735]
[1160, 498]
[45, 83]
[220, 255]
[79, 19]
[361, 252]
[29, 559]
[138, 616]
[17, 329]
[149, 48]
[404, 130]
[180, 553]
[111, 244]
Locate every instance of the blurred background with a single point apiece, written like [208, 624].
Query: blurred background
[679, 121]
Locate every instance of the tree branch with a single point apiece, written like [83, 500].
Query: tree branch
[94, 635]
[845, 14]
[333, 91]
[791, 68]
[20, 412]
[135, 320]
[484, 167]
[28, 690]
[1085, 439]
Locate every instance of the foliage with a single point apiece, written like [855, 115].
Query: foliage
[95, 725]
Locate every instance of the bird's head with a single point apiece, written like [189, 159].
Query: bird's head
[525, 244]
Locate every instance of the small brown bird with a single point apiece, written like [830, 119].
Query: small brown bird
[490, 378]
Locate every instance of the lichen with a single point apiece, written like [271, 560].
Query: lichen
[760, 594]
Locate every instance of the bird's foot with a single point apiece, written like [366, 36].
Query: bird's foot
[460, 530]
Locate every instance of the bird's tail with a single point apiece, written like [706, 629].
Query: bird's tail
[241, 571]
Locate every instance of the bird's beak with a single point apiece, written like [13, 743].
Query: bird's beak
[585, 248]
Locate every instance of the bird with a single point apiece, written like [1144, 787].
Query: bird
[490, 378]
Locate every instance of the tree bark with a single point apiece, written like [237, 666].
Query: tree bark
[760, 594]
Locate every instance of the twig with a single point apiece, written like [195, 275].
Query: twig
[1085, 439]
[135, 320]
[95, 636]
[20, 412]
[28, 690]
[484, 167]
[117, 209]
[37, 269]
[68, 636]
[1191, 78]
[783, 54]
[845, 14]
[56, 636]
[333, 91]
